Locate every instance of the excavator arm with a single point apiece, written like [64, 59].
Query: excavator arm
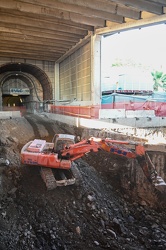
[77, 150]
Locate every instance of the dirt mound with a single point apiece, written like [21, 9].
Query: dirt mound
[95, 214]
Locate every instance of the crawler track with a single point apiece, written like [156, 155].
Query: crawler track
[48, 178]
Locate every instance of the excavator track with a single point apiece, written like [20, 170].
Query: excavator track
[48, 178]
[61, 178]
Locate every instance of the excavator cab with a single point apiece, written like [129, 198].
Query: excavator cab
[62, 141]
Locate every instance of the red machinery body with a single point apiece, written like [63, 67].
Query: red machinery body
[63, 151]
[39, 152]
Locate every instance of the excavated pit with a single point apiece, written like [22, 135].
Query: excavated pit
[113, 207]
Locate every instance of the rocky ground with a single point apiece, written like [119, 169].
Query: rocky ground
[97, 214]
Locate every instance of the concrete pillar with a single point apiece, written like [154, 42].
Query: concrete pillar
[96, 69]
[56, 87]
[0, 98]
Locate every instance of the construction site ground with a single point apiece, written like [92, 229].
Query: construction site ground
[102, 212]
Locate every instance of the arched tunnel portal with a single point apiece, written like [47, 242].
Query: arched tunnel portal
[23, 84]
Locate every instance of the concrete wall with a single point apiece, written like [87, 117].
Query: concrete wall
[151, 130]
[9, 114]
[122, 113]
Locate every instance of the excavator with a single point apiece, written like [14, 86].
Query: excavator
[56, 158]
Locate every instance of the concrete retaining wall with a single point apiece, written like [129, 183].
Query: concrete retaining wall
[122, 113]
[9, 114]
[113, 123]
[151, 129]
[139, 113]
[111, 113]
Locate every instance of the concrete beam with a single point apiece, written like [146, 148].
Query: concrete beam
[106, 6]
[40, 34]
[50, 7]
[59, 10]
[142, 5]
[18, 55]
[134, 25]
[30, 49]
[44, 24]
[11, 40]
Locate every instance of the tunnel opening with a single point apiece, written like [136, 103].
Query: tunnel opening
[23, 87]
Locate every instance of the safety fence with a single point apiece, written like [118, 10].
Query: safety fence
[156, 102]
[158, 107]
[92, 112]
[89, 112]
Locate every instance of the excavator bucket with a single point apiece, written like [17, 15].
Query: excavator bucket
[160, 184]
[157, 180]
[150, 171]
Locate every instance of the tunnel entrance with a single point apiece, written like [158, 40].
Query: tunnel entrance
[12, 101]
[14, 91]
[20, 91]
[23, 86]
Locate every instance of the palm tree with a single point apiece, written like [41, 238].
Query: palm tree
[159, 79]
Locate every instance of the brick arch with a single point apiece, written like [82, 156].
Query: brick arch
[33, 70]
[27, 78]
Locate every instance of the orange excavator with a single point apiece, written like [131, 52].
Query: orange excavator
[56, 158]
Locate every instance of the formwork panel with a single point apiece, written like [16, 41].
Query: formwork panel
[74, 75]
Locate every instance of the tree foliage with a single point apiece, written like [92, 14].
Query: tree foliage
[159, 79]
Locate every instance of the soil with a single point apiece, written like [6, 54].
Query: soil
[96, 214]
